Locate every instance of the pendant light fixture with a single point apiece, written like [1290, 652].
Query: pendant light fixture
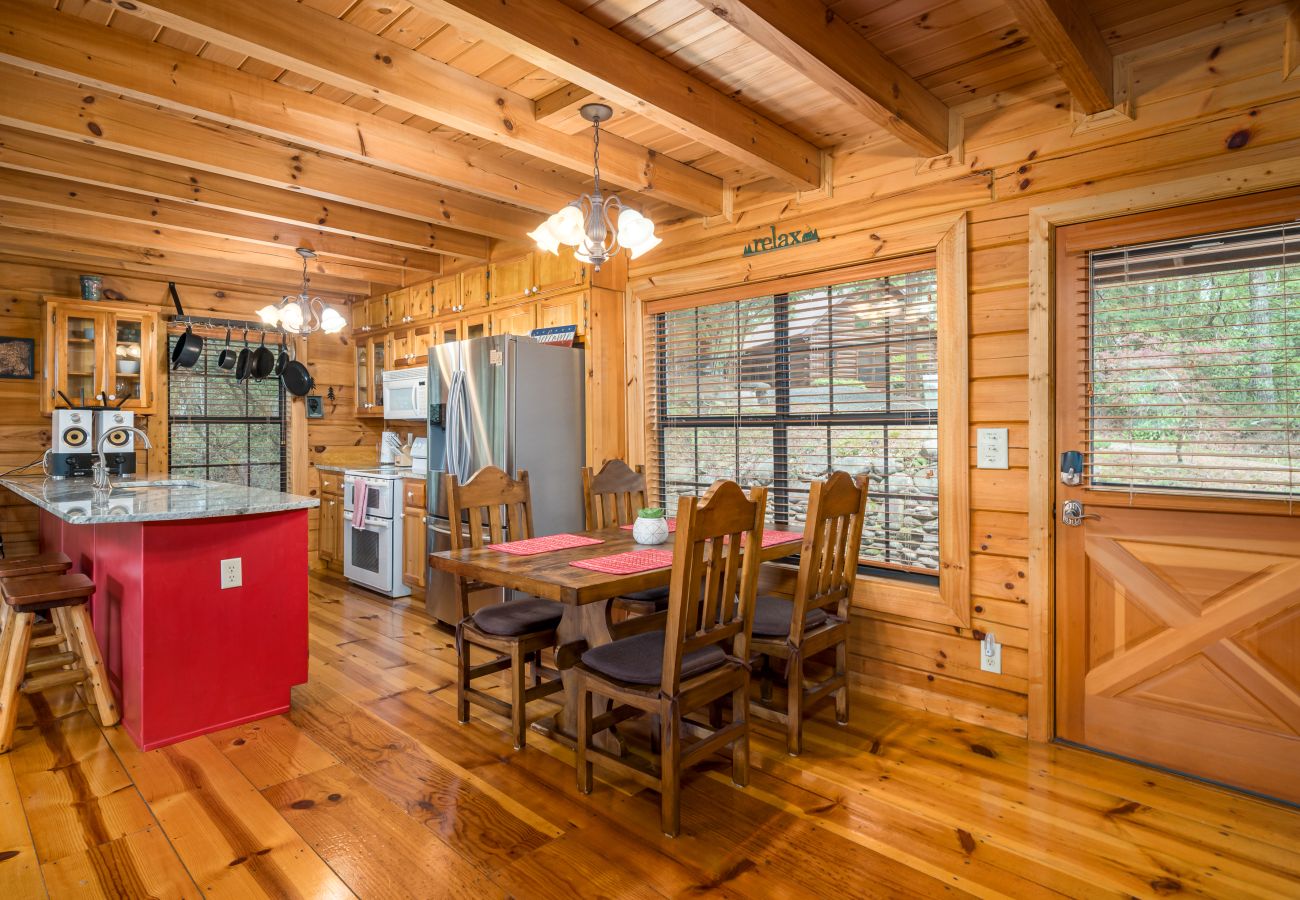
[303, 314]
[595, 226]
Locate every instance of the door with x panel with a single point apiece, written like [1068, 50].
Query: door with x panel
[1178, 505]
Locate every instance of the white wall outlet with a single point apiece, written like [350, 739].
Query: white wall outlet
[990, 655]
[232, 573]
[991, 452]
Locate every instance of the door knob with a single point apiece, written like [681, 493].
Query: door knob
[1072, 514]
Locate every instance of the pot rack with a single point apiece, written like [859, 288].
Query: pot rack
[232, 324]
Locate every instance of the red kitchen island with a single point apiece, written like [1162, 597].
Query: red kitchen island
[200, 604]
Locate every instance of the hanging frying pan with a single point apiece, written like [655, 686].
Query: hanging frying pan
[188, 345]
[263, 360]
[226, 358]
[245, 360]
[297, 380]
[282, 359]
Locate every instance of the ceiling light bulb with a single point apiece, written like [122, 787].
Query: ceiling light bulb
[634, 228]
[270, 314]
[644, 247]
[291, 317]
[331, 321]
[567, 225]
[545, 238]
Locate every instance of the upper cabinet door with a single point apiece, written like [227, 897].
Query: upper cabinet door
[130, 354]
[512, 279]
[563, 309]
[473, 289]
[420, 302]
[446, 294]
[557, 272]
[76, 354]
[399, 311]
[377, 311]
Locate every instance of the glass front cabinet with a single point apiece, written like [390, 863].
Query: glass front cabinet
[95, 353]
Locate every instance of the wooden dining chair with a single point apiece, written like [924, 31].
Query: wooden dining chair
[816, 619]
[613, 497]
[517, 631]
[696, 659]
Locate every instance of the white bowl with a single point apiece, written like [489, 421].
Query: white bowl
[128, 366]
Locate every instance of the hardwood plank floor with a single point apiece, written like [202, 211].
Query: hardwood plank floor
[369, 787]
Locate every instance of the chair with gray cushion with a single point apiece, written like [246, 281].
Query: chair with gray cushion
[817, 618]
[516, 631]
[614, 496]
[684, 660]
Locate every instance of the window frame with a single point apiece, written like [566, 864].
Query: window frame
[943, 247]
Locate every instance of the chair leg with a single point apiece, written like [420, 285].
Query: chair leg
[535, 667]
[77, 618]
[715, 714]
[670, 769]
[581, 764]
[765, 680]
[842, 671]
[7, 618]
[462, 682]
[794, 703]
[518, 688]
[18, 637]
[6, 614]
[740, 746]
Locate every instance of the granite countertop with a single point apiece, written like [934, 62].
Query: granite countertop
[75, 500]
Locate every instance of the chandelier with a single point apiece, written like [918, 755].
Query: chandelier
[303, 314]
[596, 226]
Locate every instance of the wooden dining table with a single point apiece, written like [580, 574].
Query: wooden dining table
[585, 594]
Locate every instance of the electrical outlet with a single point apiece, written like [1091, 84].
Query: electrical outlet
[990, 655]
[232, 573]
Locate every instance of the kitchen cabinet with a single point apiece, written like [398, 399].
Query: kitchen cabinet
[563, 309]
[419, 305]
[519, 319]
[376, 311]
[329, 536]
[399, 307]
[410, 345]
[535, 274]
[413, 533]
[473, 289]
[371, 357]
[511, 279]
[91, 349]
[446, 295]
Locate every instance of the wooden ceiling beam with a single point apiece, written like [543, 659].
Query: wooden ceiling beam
[1065, 33]
[830, 52]
[35, 247]
[566, 43]
[68, 46]
[121, 206]
[55, 107]
[315, 44]
[167, 240]
[83, 163]
[559, 108]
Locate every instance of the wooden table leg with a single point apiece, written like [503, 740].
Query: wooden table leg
[588, 622]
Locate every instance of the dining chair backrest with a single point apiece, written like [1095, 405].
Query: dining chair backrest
[493, 500]
[828, 557]
[613, 496]
[713, 583]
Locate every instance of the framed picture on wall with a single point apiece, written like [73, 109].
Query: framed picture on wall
[17, 357]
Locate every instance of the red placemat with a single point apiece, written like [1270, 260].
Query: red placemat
[545, 544]
[672, 525]
[628, 563]
[771, 537]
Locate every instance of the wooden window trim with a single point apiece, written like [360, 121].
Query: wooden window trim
[950, 602]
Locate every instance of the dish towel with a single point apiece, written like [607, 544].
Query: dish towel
[359, 499]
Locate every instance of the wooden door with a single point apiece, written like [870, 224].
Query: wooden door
[446, 295]
[563, 309]
[330, 537]
[473, 289]
[399, 307]
[377, 311]
[75, 353]
[448, 331]
[519, 319]
[475, 326]
[1178, 587]
[413, 539]
[130, 360]
[511, 279]
[420, 302]
[418, 344]
[557, 271]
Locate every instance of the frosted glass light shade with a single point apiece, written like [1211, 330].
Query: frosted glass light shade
[270, 314]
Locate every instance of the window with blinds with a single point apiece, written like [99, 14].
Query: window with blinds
[780, 390]
[222, 430]
[1194, 359]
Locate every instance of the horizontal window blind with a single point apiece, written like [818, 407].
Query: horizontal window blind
[220, 429]
[1194, 359]
[780, 390]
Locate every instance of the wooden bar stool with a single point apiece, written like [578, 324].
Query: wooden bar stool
[64, 597]
[40, 564]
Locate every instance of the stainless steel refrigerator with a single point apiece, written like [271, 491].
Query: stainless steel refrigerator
[510, 402]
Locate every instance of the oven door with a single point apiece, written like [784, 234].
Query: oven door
[379, 497]
[368, 553]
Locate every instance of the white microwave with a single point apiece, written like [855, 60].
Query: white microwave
[406, 393]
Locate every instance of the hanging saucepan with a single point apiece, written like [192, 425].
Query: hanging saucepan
[297, 380]
[282, 359]
[245, 361]
[227, 357]
[188, 345]
[263, 360]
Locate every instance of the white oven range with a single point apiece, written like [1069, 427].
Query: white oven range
[372, 546]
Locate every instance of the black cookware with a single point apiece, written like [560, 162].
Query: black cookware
[245, 361]
[297, 380]
[282, 359]
[226, 358]
[188, 345]
[263, 360]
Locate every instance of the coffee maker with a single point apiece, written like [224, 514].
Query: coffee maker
[76, 433]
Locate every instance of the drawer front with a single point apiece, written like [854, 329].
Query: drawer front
[413, 493]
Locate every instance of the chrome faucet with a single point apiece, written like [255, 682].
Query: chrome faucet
[100, 469]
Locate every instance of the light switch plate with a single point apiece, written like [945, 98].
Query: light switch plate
[991, 448]
[990, 655]
[232, 573]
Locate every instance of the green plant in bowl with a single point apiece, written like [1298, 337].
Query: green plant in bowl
[651, 513]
